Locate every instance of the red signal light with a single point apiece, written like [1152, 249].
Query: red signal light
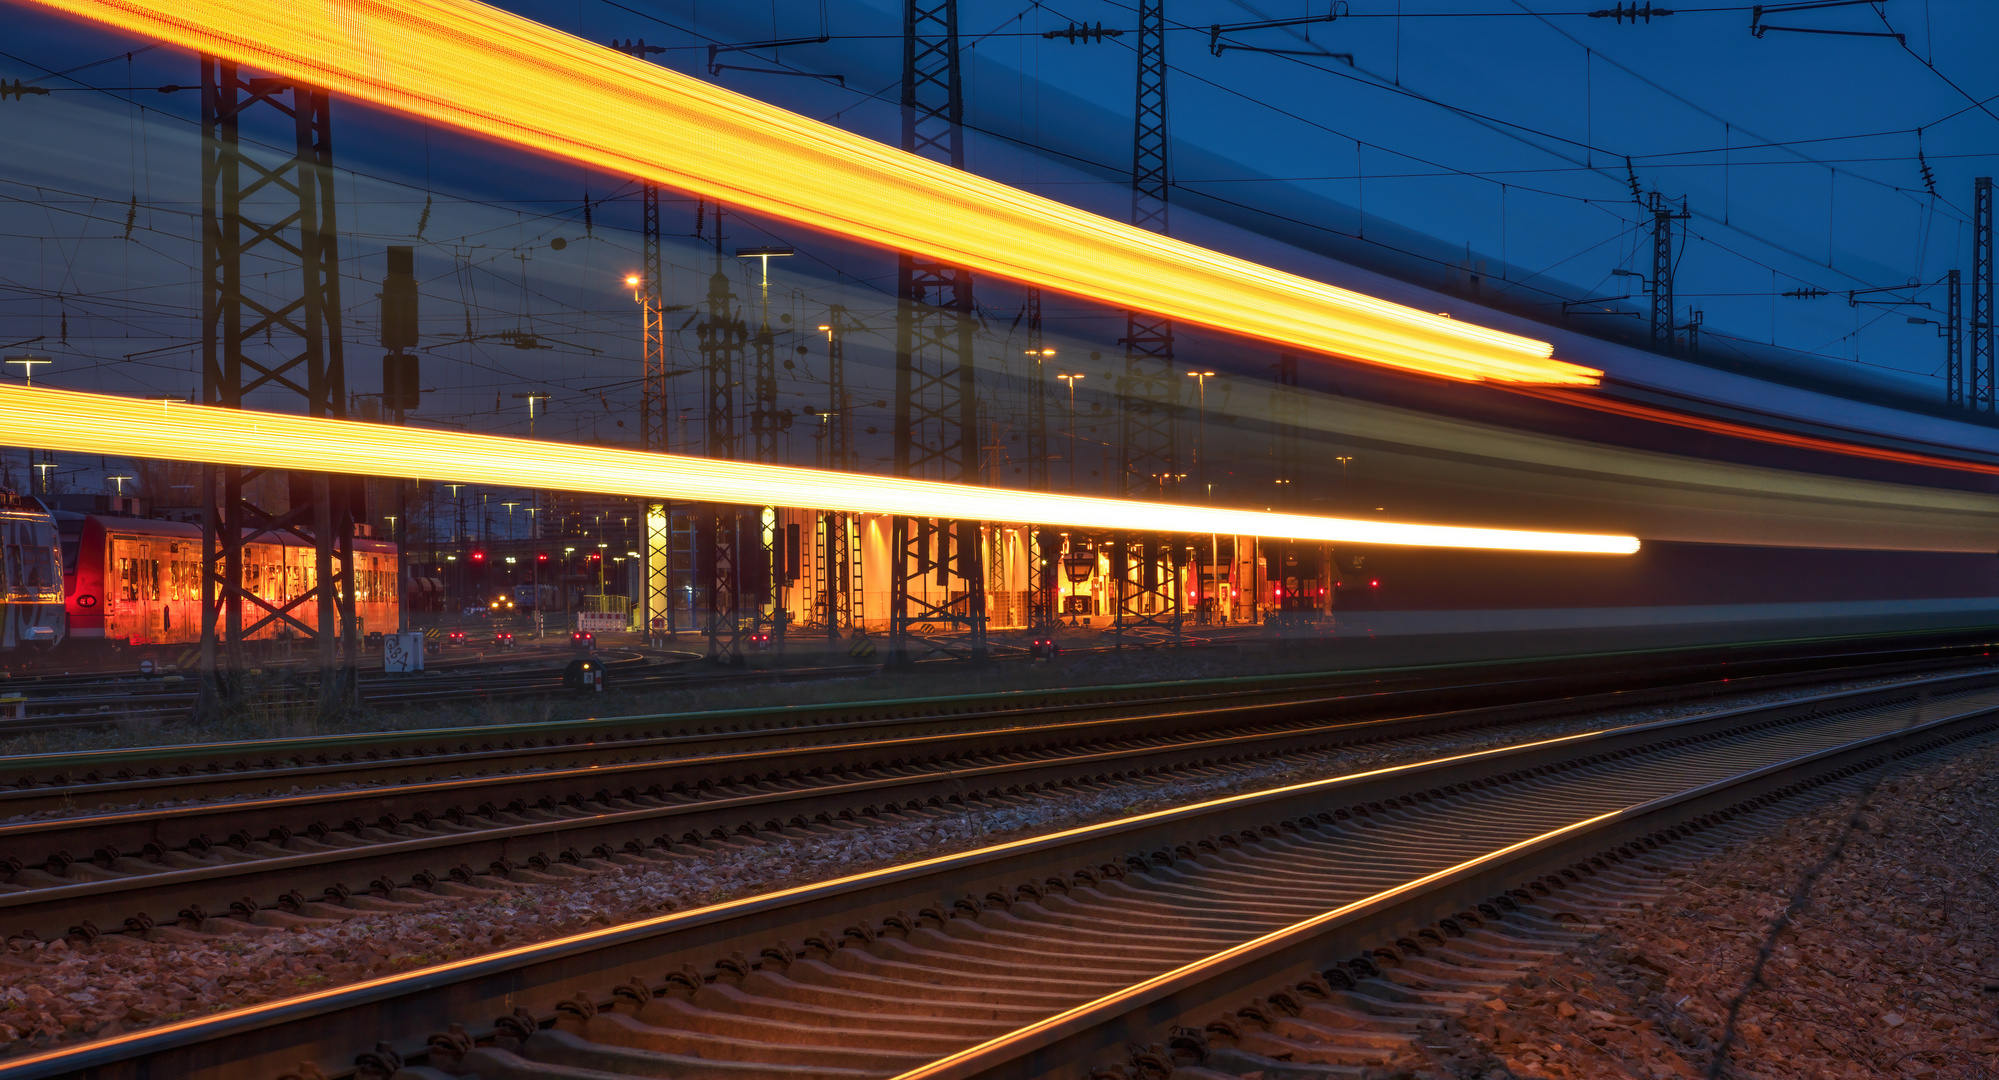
[478, 556]
[1375, 584]
[541, 556]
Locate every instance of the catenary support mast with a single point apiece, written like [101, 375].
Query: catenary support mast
[937, 575]
[275, 213]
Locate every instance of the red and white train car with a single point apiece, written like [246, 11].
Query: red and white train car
[137, 581]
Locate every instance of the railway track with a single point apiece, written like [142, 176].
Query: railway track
[1044, 956]
[195, 845]
[53, 702]
[59, 701]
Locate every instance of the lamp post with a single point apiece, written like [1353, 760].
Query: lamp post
[1071, 380]
[1201, 431]
[28, 364]
[120, 481]
[764, 255]
[510, 518]
[402, 605]
[531, 397]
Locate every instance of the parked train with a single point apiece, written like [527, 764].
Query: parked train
[137, 581]
[31, 609]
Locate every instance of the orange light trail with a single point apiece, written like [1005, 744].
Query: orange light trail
[1757, 434]
[487, 71]
[99, 423]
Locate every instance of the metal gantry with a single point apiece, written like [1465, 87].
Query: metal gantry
[937, 576]
[1149, 392]
[1980, 373]
[272, 222]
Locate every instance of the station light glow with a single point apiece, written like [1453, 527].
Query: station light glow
[100, 423]
[484, 70]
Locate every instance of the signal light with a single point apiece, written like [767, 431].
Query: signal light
[1375, 584]
[541, 556]
[478, 556]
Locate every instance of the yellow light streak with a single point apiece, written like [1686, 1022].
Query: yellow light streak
[100, 423]
[488, 71]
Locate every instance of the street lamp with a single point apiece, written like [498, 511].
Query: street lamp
[120, 481]
[1071, 380]
[28, 363]
[531, 397]
[510, 518]
[764, 255]
[1201, 428]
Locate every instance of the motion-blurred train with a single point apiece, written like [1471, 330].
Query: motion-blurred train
[31, 615]
[137, 582]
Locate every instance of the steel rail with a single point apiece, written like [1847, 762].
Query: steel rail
[1522, 803]
[154, 860]
[1054, 1047]
[1673, 674]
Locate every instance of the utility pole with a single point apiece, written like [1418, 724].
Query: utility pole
[723, 338]
[655, 405]
[1037, 394]
[1663, 217]
[1953, 340]
[936, 389]
[840, 424]
[1980, 398]
[655, 423]
[766, 424]
[1043, 546]
[1146, 597]
[402, 390]
[839, 440]
[263, 215]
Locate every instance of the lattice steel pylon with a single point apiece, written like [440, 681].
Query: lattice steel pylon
[767, 572]
[724, 338]
[655, 422]
[1953, 339]
[936, 381]
[278, 217]
[1663, 217]
[836, 562]
[1149, 391]
[1980, 374]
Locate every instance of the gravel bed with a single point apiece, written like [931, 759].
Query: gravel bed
[1889, 969]
[62, 991]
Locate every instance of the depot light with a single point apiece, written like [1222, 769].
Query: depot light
[475, 67]
[100, 423]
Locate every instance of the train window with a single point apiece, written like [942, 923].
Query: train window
[128, 579]
[152, 578]
[40, 563]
